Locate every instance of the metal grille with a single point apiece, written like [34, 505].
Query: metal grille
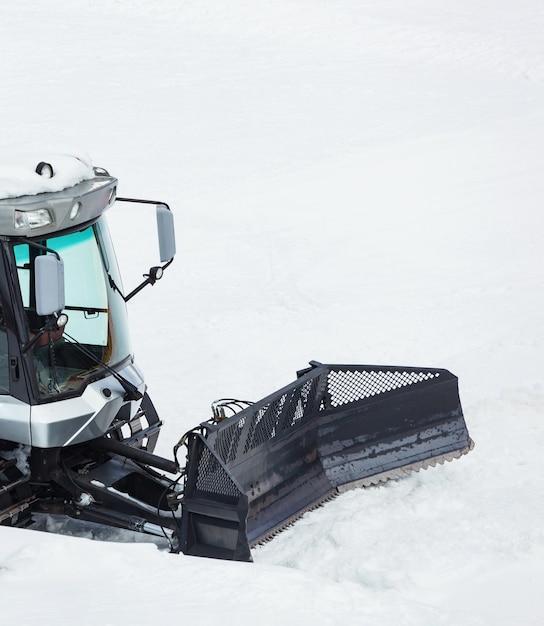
[212, 478]
[228, 439]
[303, 403]
[345, 386]
[264, 423]
[329, 387]
[259, 423]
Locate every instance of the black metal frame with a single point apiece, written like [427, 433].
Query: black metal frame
[335, 427]
[119, 485]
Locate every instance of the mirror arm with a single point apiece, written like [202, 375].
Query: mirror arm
[155, 274]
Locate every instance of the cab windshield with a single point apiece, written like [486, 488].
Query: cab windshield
[96, 332]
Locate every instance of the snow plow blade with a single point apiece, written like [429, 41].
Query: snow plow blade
[336, 427]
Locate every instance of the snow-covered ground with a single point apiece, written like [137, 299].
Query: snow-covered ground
[353, 181]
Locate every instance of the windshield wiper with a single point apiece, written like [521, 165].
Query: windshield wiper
[131, 391]
[58, 323]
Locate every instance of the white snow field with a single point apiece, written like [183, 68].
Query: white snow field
[354, 181]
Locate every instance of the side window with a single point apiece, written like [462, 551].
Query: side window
[86, 295]
[64, 358]
[96, 331]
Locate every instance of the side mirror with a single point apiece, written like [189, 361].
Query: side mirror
[49, 290]
[167, 242]
[165, 229]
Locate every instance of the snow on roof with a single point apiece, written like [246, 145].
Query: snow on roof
[20, 167]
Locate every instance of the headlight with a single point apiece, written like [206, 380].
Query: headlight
[32, 219]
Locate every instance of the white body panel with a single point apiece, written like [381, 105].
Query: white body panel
[69, 421]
